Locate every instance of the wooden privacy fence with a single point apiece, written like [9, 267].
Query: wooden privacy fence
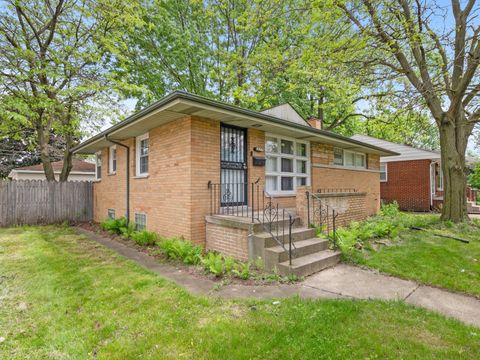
[28, 202]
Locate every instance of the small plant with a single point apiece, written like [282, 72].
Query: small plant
[183, 250]
[228, 264]
[259, 264]
[127, 231]
[390, 210]
[213, 263]
[144, 238]
[114, 226]
[242, 270]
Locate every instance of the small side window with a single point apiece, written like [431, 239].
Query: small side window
[140, 222]
[98, 166]
[113, 160]
[337, 156]
[111, 213]
[383, 172]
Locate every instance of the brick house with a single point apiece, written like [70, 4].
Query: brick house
[414, 178]
[204, 170]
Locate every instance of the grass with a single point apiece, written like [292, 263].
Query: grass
[63, 296]
[422, 256]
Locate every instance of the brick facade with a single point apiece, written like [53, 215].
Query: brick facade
[408, 183]
[184, 155]
[228, 240]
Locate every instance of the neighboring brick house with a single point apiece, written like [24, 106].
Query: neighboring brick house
[190, 156]
[414, 178]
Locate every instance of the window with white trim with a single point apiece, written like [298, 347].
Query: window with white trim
[338, 156]
[112, 159]
[353, 159]
[98, 165]
[111, 213]
[142, 155]
[140, 222]
[287, 164]
[383, 172]
[439, 179]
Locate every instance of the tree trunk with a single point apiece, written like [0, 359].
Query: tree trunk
[453, 141]
[67, 158]
[43, 139]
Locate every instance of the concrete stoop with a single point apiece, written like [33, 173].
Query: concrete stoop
[310, 254]
[473, 208]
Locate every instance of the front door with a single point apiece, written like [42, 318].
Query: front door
[233, 165]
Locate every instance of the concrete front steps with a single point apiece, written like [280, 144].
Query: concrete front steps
[309, 253]
[473, 208]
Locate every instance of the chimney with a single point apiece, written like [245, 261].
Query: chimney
[315, 122]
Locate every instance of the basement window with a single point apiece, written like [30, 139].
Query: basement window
[111, 213]
[140, 221]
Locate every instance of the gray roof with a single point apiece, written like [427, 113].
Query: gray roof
[406, 152]
[180, 104]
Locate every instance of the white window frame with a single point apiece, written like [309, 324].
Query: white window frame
[98, 156]
[137, 156]
[278, 156]
[355, 154]
[343, 157]
[440, 184]
[386, 172]
[112, 150]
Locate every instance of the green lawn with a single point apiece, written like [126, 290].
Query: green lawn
[63, 296]
[427, 258]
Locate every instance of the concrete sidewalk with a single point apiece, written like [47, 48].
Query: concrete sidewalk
[342, 281]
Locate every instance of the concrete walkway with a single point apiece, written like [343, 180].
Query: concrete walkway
[342, 281]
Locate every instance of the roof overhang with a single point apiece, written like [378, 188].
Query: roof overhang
[425, 156]
[180, 104]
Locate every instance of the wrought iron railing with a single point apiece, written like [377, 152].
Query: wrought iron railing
[322, 216]
[251, 202]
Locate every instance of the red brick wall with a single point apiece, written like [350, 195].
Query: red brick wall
[408, 182]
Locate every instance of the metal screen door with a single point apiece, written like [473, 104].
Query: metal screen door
[233, 165]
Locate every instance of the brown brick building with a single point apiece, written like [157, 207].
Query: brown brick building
[413, 178]
[187, 157]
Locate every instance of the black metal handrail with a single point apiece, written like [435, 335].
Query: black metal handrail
[323, 216]
[251, 201]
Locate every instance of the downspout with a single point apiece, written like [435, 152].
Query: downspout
[127, 199]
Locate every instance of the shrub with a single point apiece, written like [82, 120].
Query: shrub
[127, 231]
[181, 250]
[391, 209]
[114, 226]
[144, 238]
[214, 263]
[242, 270]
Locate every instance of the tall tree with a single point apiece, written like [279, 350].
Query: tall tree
[53, 65]
[438, 55]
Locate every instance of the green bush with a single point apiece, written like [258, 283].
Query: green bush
[127, 231]
[144, 238]
[242, 270]
[388, 224]
[391, 209]
[114, 226]
[214, 263]
[183, 250]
